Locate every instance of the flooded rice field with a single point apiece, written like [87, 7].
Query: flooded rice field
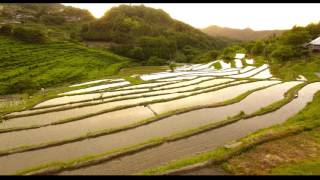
[96, 88]
[205, 93]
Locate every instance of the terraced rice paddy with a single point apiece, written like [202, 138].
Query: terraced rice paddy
[171, 116]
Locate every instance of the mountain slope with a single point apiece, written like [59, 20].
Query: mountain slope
[240, 34]
[141, 32]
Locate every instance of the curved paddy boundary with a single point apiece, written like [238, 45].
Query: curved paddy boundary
[222, 154]
[131, 93]
[118, 88]
[153, 81]
[253, 74]
[47, 97]
[106, 90]
[228, 76]
[126, 98]
[130, 126]
[55, 167]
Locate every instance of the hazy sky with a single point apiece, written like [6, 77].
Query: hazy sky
[257, 16]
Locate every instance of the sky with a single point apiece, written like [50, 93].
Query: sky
[257, 16]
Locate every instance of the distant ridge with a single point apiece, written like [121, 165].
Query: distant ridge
[246, 34]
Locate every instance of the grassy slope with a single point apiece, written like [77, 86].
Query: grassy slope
[292, 69]
[296, 152]
[54, 63]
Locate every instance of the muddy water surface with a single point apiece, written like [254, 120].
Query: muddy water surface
[95, 88]
[96, 145]
[199, 143]
[209, 98]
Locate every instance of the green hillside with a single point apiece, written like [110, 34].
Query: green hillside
[58, 21]
[30, 66]
[286, 54]
[150, 35]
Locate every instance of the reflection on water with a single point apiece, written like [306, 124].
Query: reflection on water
[242, 67]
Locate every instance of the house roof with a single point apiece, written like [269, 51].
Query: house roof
[316, 41]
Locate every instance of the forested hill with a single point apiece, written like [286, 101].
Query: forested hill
[142, 33]
[240, 34]
[59, 22]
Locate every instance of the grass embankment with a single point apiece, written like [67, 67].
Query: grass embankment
[28, 67]
[305, 120]
[110, 131]
[94, 159]
[290, 70]
[125, 98]
[139, 70]
[296, 154]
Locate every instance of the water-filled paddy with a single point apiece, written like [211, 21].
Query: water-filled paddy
[231, 132]
[209, 98]
[96, 88]
[194, 85]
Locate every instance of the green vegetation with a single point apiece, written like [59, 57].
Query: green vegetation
[290, 70]
[172, 67]
[28, 67]
[150, 36]
[139, 70]
[25, 34]
[229, 53]
[57, 21]
[293, 154]
[286, 47]
[286, 53]
[217, 65]
[311, 167]
[134, 80]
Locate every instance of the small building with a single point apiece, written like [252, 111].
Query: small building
[314, 45]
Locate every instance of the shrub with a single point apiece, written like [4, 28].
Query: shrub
[30, 35]
[180, 57]
[53, 19]
[172, 66]
[156, 61]
[6, 29]
[21, 84]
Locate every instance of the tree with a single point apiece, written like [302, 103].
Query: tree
[295, 37]
[137, 53]
[257, 48]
